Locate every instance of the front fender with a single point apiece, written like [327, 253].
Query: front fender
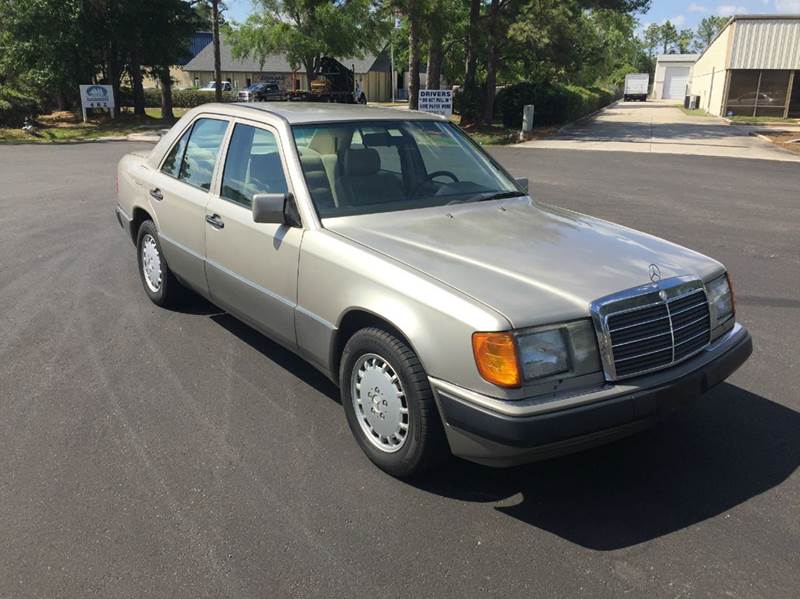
[337, 276]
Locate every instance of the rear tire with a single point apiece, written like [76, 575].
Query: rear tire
[389, 404]
[159, 283]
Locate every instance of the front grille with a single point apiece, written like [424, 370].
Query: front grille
[658, 334]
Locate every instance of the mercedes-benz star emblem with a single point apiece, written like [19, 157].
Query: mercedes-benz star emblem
[655, 273]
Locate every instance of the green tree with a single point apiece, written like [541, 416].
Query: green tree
[45, 47]
[169, 27]
[539, 40]
[442, 18]
[652, 38]
[415, 12]
[684, 40]
[669, 36]
[156, 35]
[708, 28]
[212, 13]
[470, 95]
[307, 30]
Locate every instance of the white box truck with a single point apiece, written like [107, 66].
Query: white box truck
[636, 86]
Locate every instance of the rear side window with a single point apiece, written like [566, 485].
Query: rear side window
[201, 152]
[172, 164]
[253, 165]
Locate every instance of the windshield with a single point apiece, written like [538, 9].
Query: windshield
[380, 166]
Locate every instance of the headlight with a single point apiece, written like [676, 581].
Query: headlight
[508, 358]
[720, 299]
[543, 353]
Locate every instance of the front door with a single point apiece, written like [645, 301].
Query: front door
[179, 194]
[252, 267]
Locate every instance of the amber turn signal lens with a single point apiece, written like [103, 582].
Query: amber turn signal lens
[496, 358]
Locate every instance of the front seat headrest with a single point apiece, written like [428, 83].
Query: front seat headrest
[360, 163]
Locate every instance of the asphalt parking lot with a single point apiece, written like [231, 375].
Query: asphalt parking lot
[145, 452]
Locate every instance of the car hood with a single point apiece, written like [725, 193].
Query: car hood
[534, 264]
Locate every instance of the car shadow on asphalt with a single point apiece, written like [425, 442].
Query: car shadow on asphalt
[195, 305]
[700, 463]
[278, 354]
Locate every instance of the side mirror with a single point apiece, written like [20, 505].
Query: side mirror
[275, 208]
[522, 183]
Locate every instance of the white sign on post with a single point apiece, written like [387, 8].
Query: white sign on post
[437, 101]
[97, 96]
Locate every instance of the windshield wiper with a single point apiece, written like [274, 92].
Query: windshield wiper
[489, 195]
[495, 195]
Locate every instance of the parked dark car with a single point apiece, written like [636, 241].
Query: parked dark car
[263, 91]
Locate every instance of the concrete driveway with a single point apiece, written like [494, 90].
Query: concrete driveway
[660, 127]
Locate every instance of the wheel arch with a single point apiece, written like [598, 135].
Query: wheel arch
[137, 218]
[352, 321]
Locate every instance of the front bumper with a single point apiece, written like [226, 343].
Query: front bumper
[482, 429]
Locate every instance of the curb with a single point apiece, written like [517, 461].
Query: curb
[152, 137]
[148, 137]
[763, 137]
[588, 116]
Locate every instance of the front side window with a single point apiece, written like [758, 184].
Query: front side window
[253, 165]
[172, 164]
[201, 153]
[380, 166]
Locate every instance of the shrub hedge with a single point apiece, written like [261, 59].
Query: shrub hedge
[554, 103]
[15, 105]
[181, 98]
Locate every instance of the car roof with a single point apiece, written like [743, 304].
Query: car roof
[319, 112]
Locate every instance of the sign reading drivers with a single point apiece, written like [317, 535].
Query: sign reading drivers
[437, 101]
[97, 96]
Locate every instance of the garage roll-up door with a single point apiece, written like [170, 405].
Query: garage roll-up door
[675, 79]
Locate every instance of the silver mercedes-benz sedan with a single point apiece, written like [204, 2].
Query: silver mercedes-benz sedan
[456, 314]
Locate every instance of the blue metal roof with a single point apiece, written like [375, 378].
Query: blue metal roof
[199, 41]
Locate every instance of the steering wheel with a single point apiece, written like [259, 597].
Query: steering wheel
[435, 174]
[431, 177]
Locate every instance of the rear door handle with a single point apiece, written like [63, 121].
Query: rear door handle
[215, 221]
[156, 194]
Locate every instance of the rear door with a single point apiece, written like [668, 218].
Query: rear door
[179, 194]
[252, 267]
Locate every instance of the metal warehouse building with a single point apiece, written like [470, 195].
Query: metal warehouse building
[751, 68]
[672, 76]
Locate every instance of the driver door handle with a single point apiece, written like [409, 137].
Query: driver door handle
[215, 221]
[156, 194]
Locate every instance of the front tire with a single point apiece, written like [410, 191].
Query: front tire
[159, 283]
[389, 404]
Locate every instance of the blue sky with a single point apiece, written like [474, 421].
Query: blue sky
[238, 9]
[680, 12]
[689, 14]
